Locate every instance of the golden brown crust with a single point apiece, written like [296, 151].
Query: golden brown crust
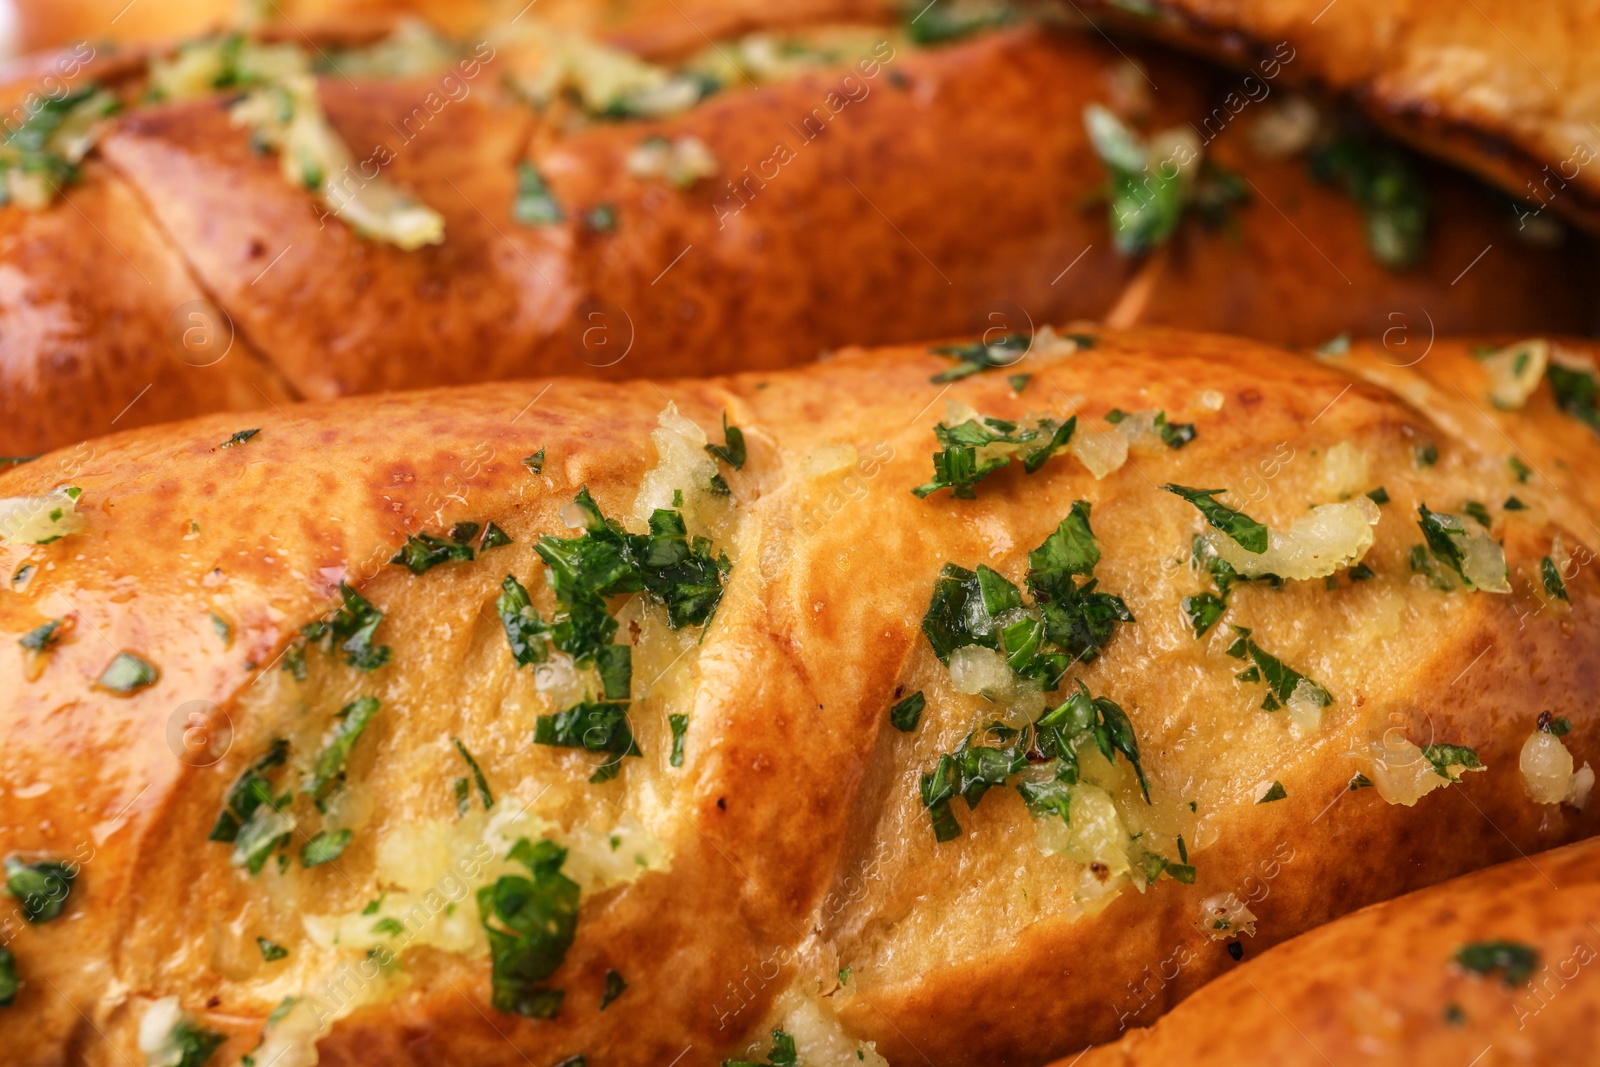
[793, 784]
[1492, 87]
[1382, 985]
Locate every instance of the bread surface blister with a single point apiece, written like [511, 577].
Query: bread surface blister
[306, 819]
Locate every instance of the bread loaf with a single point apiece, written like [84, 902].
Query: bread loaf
[284, 720]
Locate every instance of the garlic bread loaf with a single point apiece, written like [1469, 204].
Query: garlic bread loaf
[234, 221]
[703, 720]
[1489, 966]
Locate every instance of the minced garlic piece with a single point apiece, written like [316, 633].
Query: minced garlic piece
[1329, 537]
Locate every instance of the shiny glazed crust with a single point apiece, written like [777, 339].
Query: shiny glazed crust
[791, 844]
[955, 189]
[1383, 985]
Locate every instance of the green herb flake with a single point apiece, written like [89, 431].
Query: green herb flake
[531, 923]
[1361, 573]
[1557, 726]
[41, 639]
[1455, 1014]
[1379, 495]
[271, 951]
[1250, 534]
[351, 630]
[1175, 434]
[679, 724]
[535, 462]
[325, 847]
[733, 452]
[1276, 792]
[974, 357]
[1575, 392]
[1443, 757]
[1477, 511]
[1019, 382]
[1383, 183]
[194, 1044]
[328, 770]
[477, 774]
[1425, 455]
[525, 629]
[782, 1054]
[42, 886]
[937, 24]
[1282, 681]
[10, 984]
[1520, 469]
[615, 985]
[127, 674]
[1515, 961]
[1203, 610]
[224, 631]
[422, 552]
[494, 537]
[239, 438]
[602, 218]
[1553, 585]
[389, 926]
[1514, 504]
[905, 715]
[535, 204]
[593, 726]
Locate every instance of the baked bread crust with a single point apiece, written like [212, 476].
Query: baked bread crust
[791, 843]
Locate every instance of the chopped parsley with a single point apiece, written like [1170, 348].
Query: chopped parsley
[957, 466]
[1074, 621]
[602, 218]
[1203, 610]
[1145, 202]
[1558, 726]
[1520, 469]
[594, 726]
[422, 551]
[1443, 757]
[974, 357]
[351, 629]
[43, 886]
[1360, 781]
[1553, 585]
[679, 724]
[1276, 792]
[271, 951]
[1155, 866]
[1379, 495]
[905, 715]
[1384, 185]
[972, 770]
[1175, 434]
[477, 774]
[1281, 680]
[325, 847]
[525, 630]
[248, 793]
[1476, 509]
[1442, 534]
[1019, 382]
[45, 637]
[22, 574]
[1514, 504]
[389, 926]
[535, 462]
[494, 537]
[733, 452]
[535, 204]
[615, 986]
[10, 984]
[1426, 455]
[194, 1043]
[1575, 392]
[327, 773]
[1250, 534]
[1515, 961]
[938, 25]
[531, 923]
[239, 438]
[126, 674]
